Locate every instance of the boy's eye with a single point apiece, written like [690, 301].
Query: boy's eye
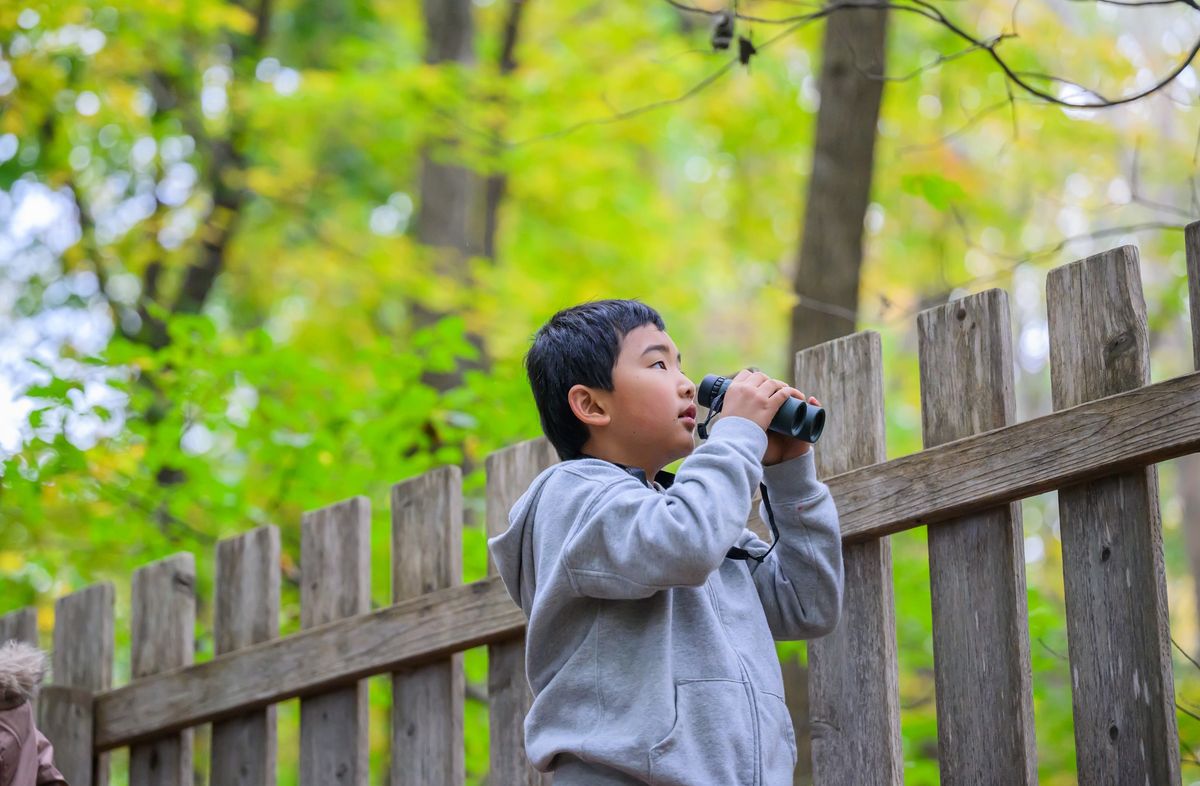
[664, 365]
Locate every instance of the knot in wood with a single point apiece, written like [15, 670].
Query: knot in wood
[1118, 345]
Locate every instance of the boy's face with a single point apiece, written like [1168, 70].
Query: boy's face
[644, 425]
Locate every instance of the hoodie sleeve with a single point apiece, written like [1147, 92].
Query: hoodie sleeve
[633, 541]
[800, 582]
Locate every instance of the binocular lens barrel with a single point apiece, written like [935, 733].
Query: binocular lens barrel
[795, 418]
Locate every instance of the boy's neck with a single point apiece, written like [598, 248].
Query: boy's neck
[616, 457]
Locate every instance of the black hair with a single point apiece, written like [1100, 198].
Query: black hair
[579, 346]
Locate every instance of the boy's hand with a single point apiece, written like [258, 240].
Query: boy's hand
[755, 396]
[781, 447]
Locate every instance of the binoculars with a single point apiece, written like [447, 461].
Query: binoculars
[795, 418]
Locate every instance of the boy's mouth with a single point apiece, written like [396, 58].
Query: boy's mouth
[688, 416]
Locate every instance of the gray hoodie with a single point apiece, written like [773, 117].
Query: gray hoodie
[650, 655]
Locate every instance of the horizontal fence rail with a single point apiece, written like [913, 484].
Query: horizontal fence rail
[312, 661]
[1088, 441]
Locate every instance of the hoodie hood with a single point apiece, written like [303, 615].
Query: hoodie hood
[22, 667]
[512, 550]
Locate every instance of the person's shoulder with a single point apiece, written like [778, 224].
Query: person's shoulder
[589, 479]
[594, 474]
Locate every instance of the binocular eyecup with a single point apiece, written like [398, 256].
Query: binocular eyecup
[795, 417]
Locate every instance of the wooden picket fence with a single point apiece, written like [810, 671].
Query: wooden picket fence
[1098, 448]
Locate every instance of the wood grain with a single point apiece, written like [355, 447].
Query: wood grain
[310, 662]
[1114, 581]
[83, 659]
[509, 473]
[246, 612]
[982, 672]
[65, 717]
[1191, 235]
[428, 700]
[164, 622]
[1150, 424]
[853, 694]
[335, 575]
[20, 625]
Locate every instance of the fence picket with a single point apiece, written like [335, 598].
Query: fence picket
[20, 625]
[246, 612]
[164, 621]
[853, 697]
[428, 700]
[83, 659]
[1113, 572]
[335, 572]
[509, 473]
[1191, 235]
[982, 671]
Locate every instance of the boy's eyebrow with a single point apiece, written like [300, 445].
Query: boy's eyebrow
[660, 348]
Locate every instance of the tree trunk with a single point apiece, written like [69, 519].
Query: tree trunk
[851, 88]
[827, 270]
[458, 211]
[449, 193]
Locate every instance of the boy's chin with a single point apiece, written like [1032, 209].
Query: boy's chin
[685, 453]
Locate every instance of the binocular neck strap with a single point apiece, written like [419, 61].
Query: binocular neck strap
[702, 429]
[738, 553]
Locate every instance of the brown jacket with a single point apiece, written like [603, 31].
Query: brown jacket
[26, 756]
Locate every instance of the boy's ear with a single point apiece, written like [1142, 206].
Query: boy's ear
[587, 406]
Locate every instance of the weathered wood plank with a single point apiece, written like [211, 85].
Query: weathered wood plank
[1152, 424]
[1188, 467]
[853, 694]
[246, 612]
[83, 659]
[509, 473]
[1191, 235]
[312, 661]
[1114, 580]
[335, 582]
[20, 625]
[428, 701]
[982, 671]
[65, 717]
[164, 622]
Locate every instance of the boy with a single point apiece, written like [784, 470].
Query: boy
[650, 642]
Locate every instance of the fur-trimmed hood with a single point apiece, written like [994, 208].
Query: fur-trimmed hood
[22, 667]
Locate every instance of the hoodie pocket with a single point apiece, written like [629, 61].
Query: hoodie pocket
[778, 740]
[712, 739]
